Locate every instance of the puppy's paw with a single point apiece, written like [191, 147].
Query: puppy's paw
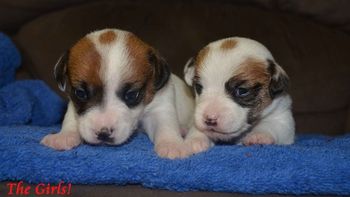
[198, 144]
[62, 141]
[171, 149]
[258, 138]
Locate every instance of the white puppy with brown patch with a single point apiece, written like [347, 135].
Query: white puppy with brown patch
[115, 82]
[240, 96]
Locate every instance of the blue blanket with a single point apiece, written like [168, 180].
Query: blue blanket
[9, 60]
[29, 102]
[314, 165]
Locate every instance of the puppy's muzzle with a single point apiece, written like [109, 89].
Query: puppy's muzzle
[104, 134]
[211, 122]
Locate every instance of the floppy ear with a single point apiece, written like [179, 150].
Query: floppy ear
[189, 71]
[60, 71]
[161, 71]
[279, 79]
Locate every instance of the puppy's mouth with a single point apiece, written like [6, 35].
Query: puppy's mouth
[105, 139]
[100, 142]
[218, 135]
[220, 132]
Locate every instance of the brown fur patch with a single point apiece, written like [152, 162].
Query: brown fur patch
[84, 63]
[140, 68]
[107, 37]
[228, 44]
[254, 72]
[202, 54]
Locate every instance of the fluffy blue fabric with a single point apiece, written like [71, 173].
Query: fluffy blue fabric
[30, 102]
[9, 60]
[314, 165]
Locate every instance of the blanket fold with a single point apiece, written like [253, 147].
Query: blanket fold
[27, 102]
[10, 60]
[30, 102]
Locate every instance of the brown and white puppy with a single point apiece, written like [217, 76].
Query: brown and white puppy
[115, 82]
[240, 96]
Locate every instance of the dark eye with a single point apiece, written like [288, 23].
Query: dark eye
[241, 92]
[81, 94]
[132, 97]
[198, 88]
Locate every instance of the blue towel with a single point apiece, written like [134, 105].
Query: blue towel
[29, 102]
[10, 60]
[314, 165]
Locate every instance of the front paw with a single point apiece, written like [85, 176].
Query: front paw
[171, 149]
[199, 143]
[258, 138]
[62, 141]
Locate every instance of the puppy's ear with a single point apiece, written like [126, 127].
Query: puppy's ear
[60, 71]
[189, 71]
[161, 71]
[279, 79]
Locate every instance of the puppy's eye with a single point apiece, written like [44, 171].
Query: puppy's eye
[198, 88]
[81, 94]
[132, 97]
[241, 92]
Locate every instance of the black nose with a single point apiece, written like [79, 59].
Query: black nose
[210, 122]
[104, 134]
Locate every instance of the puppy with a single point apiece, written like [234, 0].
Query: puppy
[116, 82]
[240, 96]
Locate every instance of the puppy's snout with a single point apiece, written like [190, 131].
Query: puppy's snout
[210, 122]
[105, 134]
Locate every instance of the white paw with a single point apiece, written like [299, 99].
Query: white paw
[62, 141]
[171, 149]
[198, 144]
[258, 138]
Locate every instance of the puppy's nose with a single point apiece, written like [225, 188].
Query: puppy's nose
[104, 134]
[212, 122]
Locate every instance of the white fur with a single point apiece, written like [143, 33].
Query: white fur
[278, 121]
[218, 66]
[163, 119]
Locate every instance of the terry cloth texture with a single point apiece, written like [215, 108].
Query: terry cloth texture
[29, 102]
[314, 165]
[10, 60]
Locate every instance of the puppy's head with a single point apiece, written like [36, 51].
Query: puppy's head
[235, 79]
[110, 76]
